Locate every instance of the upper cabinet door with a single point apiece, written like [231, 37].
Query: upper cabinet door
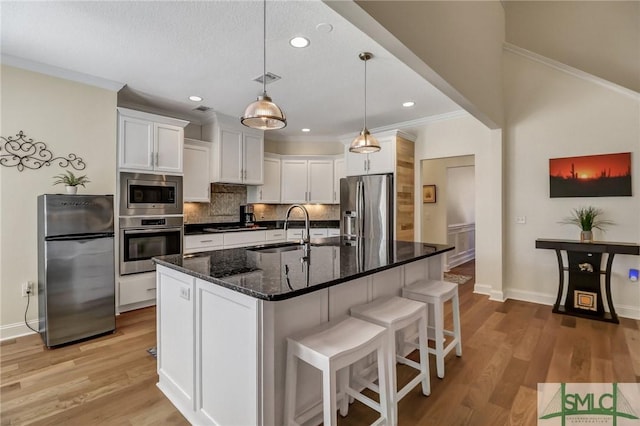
[149, 142]
[270, 191]
[196, 186]
[253, 160]
[169, 142]
[135, 138]
[338, 173]
[356, 163]
[382, 161]
[230, 159]
[320, 175]
[294, 181]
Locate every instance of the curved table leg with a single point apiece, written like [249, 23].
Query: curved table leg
[607, 288]
[556, 306]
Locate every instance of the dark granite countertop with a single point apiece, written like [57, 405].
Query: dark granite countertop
[205, 228]
[278, 275]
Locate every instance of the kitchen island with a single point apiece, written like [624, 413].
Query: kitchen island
[223, 318]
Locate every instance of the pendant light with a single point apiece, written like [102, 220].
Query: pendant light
[365, 143]
[263, 114]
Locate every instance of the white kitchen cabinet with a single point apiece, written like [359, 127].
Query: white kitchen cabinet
[237, 154]
[196, 185]
[243, 239]
[333, 232]
[202, 242]
[382, 161]
[150, 143]
[176, 335]
[136, 291]
[338, 173]
[305, 181]
[318, 232]
[275, 236]
[269, 192]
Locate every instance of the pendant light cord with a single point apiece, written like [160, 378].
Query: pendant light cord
[264, 48]
[365, 93]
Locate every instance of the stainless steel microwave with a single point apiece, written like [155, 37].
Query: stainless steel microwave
[143, 194]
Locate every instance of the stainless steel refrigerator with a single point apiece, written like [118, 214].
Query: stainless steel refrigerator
[76, 267]
[366, 207]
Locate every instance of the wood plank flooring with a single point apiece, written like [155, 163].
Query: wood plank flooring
[507, 349]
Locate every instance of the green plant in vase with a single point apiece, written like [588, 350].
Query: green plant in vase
[71, 181]
[587, 219]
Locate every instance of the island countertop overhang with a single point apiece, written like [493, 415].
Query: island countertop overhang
[274, 276]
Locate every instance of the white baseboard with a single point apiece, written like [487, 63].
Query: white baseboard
[18, 329]
[486, 289]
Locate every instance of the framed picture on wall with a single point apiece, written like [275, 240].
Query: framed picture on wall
[428, 193]
[607, 175]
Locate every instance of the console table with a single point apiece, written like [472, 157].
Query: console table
[584, 293]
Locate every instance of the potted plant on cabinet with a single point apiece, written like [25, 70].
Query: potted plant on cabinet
[71, 181]
[587, 219]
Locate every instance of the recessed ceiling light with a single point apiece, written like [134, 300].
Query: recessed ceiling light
[306, 130]
[195, 98]
[408, 104]
[299, 42]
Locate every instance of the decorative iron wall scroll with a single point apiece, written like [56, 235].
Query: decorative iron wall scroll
[23, 152]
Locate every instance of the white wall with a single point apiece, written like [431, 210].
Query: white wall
[553, 114]
[467, 136]
[433, 218]
[461, 195]
[69, 118]
[598, 37]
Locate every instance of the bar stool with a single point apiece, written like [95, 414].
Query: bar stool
[435, 293]
[332, 347]
[395, 314]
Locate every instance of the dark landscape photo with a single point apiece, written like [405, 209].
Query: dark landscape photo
[607, 175]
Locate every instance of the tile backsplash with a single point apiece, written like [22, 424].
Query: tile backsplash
[224, 206]
[227, 199]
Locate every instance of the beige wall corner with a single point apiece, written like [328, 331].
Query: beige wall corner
[598, 37]
[455, 45]
[452, 139]
[68, 117]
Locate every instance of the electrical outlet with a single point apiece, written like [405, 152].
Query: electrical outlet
[185, 293]
[521, 219]
[27, 288]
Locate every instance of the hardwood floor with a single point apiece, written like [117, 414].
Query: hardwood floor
[507, 349]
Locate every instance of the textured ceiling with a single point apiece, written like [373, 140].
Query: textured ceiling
[166, 51]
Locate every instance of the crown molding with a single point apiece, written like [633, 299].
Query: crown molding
[63, 73]
[399, 127]
[570, 70]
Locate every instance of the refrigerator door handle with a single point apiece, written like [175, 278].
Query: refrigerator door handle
[360, 207]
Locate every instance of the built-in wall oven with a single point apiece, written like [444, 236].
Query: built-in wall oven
[143, 194]
[142, 238]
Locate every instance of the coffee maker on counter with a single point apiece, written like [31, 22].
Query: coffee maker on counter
[246, 215]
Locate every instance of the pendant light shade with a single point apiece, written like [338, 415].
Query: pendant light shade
[263, 114]
[365, 143]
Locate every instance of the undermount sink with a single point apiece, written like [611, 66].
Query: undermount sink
[280, 248]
